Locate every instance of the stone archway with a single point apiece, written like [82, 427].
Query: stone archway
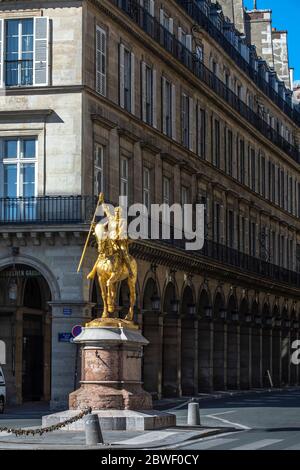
[219, 364]
[233, 345]
[276, 347]
[256, 347]
[188, 343]
[171, 384]
[205, 343]
[25, 327]
[152, 331]
[245, 344]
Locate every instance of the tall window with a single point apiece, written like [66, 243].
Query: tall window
[229, 152]
[146, 188]
[99, 170]
[242, 162]
[230, 228]
[18, 167]
[100, 61]
[263, 176]
[166, 190]
[124, 182]
[217, 143]
[167, 108]
[201, 132]
[252, 234]
[127, 73]
[253, 169]
[19, 52]
[148, 94]
[217, 222]
[127, 80]
[185, 120]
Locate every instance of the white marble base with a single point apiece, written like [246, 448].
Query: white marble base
[117, 420]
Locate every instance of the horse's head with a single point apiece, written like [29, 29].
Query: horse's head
[100, 232]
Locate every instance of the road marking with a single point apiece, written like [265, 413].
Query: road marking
[258, 444]
[225, 421]
[149, 437]
[223, 413]
[212, 443]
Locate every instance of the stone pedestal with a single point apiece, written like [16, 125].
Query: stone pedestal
[111, 370]
[111, 382]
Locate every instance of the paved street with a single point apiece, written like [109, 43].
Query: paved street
[262, 420]
[268, 420]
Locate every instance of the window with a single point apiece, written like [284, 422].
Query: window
[148, 94]
[100, 61]
[242, 161]
[146, 188]
[185, 120]
[217, 143]
[18, 167]
[19, 52]
[217, 222]
[229, 151]
[124, 186]
[230, 229]
[263, 176]
[253, 169]
[25, 51]
[167, 108]
[127, 89]
[291, 195]
[252, 234]
[184, 195]
[185, 39]
[201, 132]
[99, 170]
[148, 5]
[166, 191]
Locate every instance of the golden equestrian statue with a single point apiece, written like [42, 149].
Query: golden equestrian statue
[113, 265]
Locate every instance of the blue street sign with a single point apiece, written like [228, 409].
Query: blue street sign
[67, 311]
[64, 337]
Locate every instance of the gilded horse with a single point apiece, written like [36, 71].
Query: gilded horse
[111, 269]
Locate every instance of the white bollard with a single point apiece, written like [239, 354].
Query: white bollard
[93, 434]
[193, 414]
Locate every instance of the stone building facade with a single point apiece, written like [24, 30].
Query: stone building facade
[162, 102]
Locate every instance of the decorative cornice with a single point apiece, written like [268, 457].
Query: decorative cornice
[103, 121]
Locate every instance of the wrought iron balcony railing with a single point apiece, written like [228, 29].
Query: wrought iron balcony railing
[63, 210]
[198, 15]
[46, 210]
[169, 42]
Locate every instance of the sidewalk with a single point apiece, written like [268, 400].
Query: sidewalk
[67, 440]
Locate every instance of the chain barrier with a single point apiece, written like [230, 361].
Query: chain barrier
[41, 431]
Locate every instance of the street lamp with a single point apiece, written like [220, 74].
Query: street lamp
[223, 313]
[235, 315]
[155, 302]
[192, 309]
[278, 322]
[248, 318]
[13, 290]
[208, 311]
[174, 306]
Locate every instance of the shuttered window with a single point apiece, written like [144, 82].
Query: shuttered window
[127, 79]
[100, 61]
[24, 52]
[99, 170]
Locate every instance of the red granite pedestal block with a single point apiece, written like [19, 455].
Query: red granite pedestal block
[111, 371]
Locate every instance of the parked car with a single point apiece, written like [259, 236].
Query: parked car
[2, 391]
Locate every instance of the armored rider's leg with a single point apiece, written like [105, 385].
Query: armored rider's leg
[93, 272]
[127, 262]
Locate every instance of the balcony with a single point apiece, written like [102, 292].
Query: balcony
[46, 210]
[169, 42]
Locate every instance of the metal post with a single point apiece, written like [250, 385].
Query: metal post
[93, 434]
[193, 414]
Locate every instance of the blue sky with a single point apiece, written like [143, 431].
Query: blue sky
[286, 15]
